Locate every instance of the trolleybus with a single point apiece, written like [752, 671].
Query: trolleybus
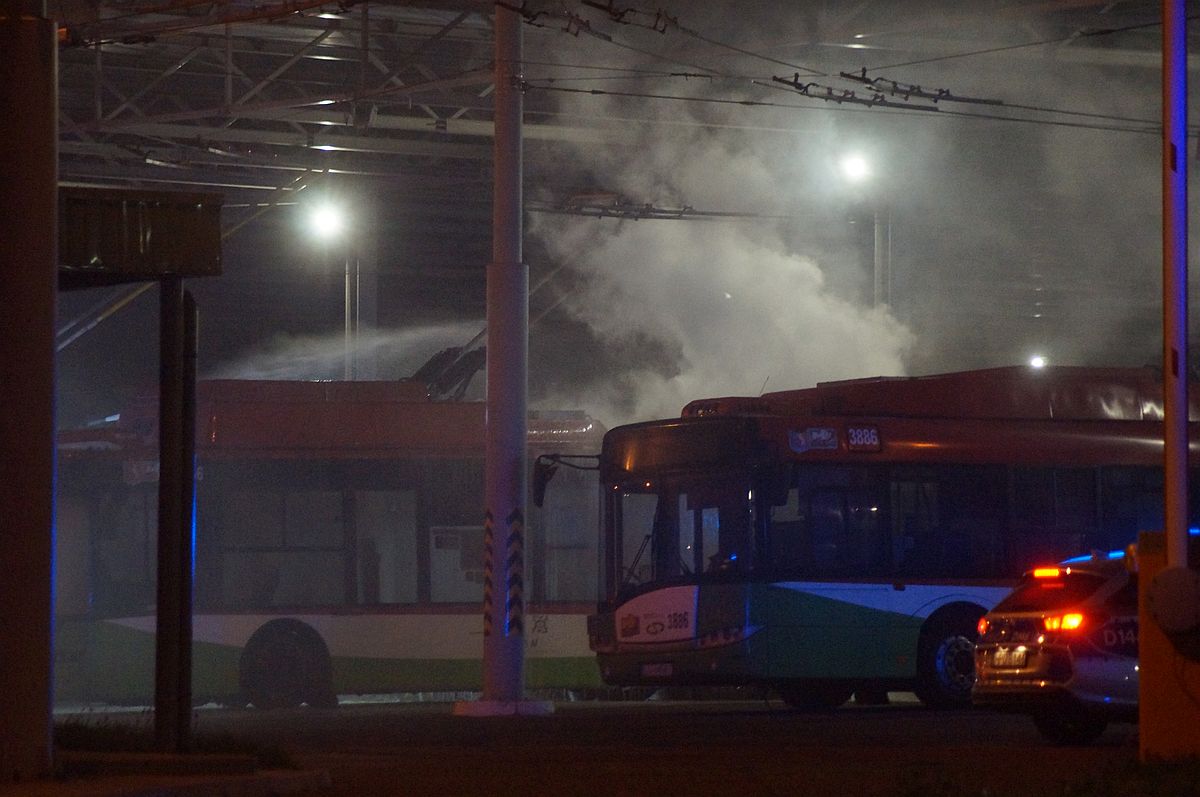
[338, 548]
[849, 536]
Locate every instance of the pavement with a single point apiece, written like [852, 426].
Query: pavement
[613, 749]
[92, 774]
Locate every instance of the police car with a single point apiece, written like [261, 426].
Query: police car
[1063, 648]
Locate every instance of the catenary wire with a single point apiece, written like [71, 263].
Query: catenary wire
[883, 109]
[1004, 48]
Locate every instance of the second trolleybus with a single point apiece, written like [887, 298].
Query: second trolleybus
[338, 548]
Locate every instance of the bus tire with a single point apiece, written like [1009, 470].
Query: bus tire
[946, 658]
[814, 695]
[285, 663]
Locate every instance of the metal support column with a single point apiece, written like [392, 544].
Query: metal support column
[349, 305]
[507, 365]
[28, 261]
[1174, 242]
[1169, 627]
[176, 489]
[883, 255]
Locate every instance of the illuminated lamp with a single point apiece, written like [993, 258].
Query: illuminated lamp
[1063, 622]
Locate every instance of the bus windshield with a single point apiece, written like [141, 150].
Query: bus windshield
[674, 529]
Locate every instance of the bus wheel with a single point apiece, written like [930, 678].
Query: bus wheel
[814, 695]
[946, 661]
[286, 663]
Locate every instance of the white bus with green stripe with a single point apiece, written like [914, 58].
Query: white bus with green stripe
[338, 548]
[848, 537]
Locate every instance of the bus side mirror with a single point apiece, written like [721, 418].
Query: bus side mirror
[543, 472]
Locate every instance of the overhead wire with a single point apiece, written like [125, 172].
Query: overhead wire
[944, 95]
[663, 20]
[906, 110]
[686, 75]
[536, 84]
[998, 117]
[161, 8]
[280, 10]
[576, 25]
[1040, 43]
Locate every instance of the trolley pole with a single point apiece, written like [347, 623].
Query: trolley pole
[507, 364]
[28, 262]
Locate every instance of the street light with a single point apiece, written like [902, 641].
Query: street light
[857, 171]
[328, 223]
[856, 168]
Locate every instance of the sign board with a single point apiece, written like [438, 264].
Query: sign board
[108, 236]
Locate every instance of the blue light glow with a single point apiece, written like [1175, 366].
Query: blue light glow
[1089, 558]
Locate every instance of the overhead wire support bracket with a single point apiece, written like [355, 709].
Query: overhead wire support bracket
[908, 90]
[661, 21]
[847, 96]
[661, 18]
[575, 23]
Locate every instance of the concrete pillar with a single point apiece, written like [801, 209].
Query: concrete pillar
[28, 266]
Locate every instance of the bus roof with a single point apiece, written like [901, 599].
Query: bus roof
[1015, 392]
[278, 418]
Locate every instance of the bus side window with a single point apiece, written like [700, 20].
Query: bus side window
[1054, 514]
[788, 541]
[566, 522]
[125, 561]
[947, 521]
[915, 515]
[386, 530]
[1149, 486]
[827, 531]
[1033, 518]
[1075, 508]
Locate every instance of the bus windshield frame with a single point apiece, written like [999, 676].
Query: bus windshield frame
[682, 529]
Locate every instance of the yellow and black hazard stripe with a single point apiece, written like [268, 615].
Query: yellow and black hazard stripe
[515, 605]
[487, 572]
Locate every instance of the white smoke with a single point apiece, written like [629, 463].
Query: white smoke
[378, 353]
[1009, 238]
[745, 304]
[744, 314]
